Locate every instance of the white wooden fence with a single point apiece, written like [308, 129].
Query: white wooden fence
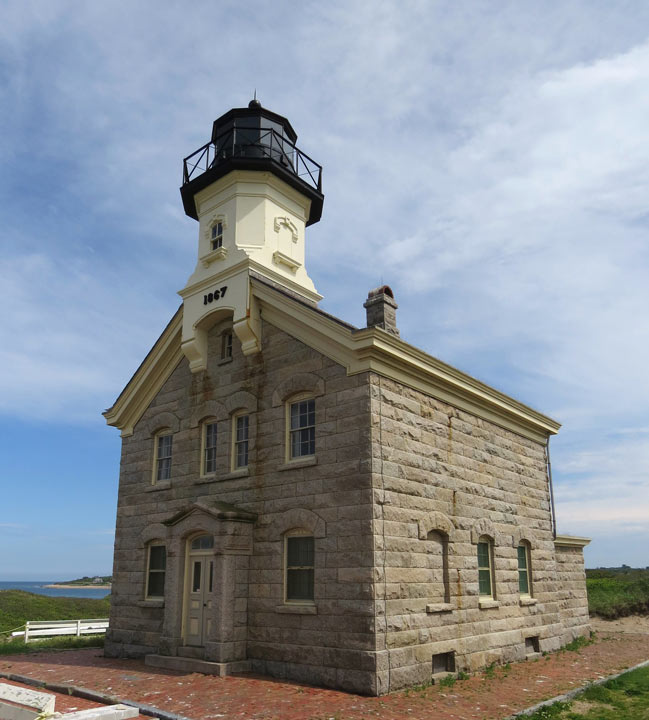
[51, 628]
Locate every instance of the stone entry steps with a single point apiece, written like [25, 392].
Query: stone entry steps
[195, 665]
[191, 652]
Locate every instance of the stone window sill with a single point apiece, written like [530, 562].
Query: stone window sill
[439, 607]
[158, 486]
[289, 609]
[528, 601]
[299, 463]
[242, 472]
[488, 603]
[224, 361]
[218, 254]
[151, 603]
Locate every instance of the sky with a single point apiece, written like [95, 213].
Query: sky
[488, 160]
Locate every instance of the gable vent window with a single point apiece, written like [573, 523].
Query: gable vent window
[241, 434]
[163, 458]
[209, 458]
[302, 428]
[226, 345]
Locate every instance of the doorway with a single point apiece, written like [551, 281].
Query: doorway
[199, 587]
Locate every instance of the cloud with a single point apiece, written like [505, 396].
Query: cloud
[490, 164]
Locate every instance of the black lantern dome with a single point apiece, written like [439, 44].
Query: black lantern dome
[252, 138]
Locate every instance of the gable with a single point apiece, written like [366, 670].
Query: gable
[357, 350]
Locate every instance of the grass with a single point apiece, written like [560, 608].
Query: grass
[616, 592]
[624, 698]
[17, 606]
[17, 646]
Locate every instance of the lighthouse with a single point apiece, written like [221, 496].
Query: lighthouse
[253, 193]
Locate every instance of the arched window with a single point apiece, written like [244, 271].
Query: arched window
[209, 434]
[300, 427]
[162, 450]
[155, 571]
[240, 440]
[485, 568]
[524, 569]
[299, 565]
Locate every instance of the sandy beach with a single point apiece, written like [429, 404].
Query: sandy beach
[84, 587]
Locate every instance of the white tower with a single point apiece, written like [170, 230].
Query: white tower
[253, 193]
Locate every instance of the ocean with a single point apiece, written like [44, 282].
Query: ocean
[40, 589]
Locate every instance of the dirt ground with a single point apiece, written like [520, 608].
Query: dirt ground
[484, 696]
[636, 624]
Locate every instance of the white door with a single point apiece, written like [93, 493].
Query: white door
[198, 603]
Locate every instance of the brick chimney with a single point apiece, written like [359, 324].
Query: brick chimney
[381, 309]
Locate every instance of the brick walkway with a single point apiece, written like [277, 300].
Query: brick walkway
[248, 697]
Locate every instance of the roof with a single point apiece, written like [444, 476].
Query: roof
[358, 350]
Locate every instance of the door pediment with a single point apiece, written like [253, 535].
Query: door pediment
[213, 511]
[231, 526]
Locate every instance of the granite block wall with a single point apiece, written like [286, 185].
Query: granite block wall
[400, 490]
[441, 474]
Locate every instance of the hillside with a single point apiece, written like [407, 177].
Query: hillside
[86, 580]
[616, 592]
[17, 606]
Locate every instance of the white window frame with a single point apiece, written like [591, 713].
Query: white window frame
[297, 534]
[486, 540]
[218, 237]
[234, 455]
[204, 424]
[288, 432]
[147, 594]
[155, 479]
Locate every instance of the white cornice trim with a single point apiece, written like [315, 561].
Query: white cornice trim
[571, 541]
[162, 360]
[373, 349]
[365, 350]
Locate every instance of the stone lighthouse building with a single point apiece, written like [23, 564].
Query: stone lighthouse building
[316, 501]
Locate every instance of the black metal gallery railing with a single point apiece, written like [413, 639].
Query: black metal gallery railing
[254, 143]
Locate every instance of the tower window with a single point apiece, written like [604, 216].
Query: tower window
[216, 235]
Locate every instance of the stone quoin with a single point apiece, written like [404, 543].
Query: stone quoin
[310, 500]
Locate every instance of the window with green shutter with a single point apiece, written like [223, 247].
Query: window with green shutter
[523, 570]
[485, 581]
